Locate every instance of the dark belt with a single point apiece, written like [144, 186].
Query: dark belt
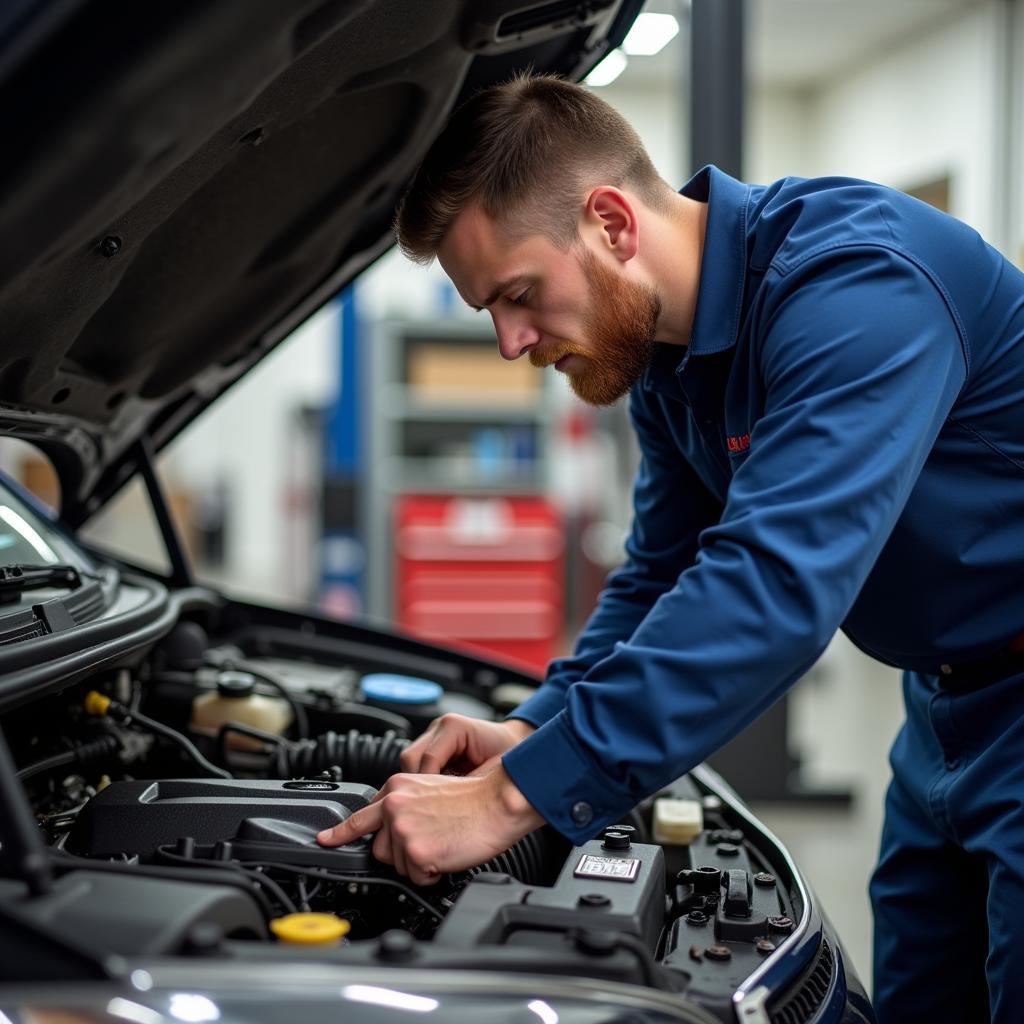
[969, 675]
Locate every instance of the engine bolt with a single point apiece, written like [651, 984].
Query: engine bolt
[718, 953]
[727, 850]
[593, 901]
[764, 946]
[617, 838]
[763, 879]
[780, 924]
[696, 917]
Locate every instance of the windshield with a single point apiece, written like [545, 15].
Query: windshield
[28, 538]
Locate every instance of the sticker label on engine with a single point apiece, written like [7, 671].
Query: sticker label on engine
[615, 869]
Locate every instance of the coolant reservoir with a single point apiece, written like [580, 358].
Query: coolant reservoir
[414, 698]
[236, 700]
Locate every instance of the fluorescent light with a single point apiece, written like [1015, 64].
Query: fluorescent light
[608, 70]
[650, 33]
[389, 997]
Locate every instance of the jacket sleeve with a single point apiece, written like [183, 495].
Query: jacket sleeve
[670, 507]
[861, 361]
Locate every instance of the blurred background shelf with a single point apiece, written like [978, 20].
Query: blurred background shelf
[459, 452]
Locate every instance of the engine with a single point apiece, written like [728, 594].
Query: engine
[180, 798]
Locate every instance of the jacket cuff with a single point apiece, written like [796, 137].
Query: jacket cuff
[547, 702]
[571, 792]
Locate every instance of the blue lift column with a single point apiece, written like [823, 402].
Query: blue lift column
[343, 559]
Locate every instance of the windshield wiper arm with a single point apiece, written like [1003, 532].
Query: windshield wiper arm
[16, 578]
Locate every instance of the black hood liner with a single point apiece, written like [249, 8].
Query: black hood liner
[184, 182]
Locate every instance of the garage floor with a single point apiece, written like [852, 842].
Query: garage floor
[842, 722]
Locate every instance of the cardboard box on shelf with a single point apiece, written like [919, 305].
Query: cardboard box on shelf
[440, 371]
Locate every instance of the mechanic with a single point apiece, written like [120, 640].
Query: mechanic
[826, 379]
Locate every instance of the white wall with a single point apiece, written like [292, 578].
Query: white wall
[248, 441]
[921, 111]
[778, 135]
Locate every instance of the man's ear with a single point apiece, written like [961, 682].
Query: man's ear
[611, 215]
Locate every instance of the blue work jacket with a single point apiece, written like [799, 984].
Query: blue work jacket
[841, 445]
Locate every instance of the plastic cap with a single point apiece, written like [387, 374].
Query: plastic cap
[677, 821]
[310, 929]
[393, 689]
[231, 683]
[96, 703]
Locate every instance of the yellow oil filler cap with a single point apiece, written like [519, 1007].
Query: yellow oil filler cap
[310, 929]
[96, 703]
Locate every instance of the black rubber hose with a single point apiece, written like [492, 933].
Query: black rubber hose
[212, 875]
[371, 760]
[98, 750]
[301, 720]
[182, 741]
[534, 860]
[253, 873]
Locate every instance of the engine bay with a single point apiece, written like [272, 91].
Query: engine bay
[179, 794]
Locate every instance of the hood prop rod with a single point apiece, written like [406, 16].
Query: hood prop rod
[23, 848]
[181, 571]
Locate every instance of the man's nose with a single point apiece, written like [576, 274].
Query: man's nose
[515, 335]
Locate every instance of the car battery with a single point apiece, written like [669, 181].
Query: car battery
[482, 573]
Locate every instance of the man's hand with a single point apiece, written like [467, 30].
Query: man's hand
[430, 824]
[462, 744]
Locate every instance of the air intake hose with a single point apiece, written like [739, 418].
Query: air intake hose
[364, 758]
[372, 760]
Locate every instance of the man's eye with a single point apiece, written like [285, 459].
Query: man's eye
[520, 299]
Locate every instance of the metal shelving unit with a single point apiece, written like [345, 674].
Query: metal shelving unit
[427, 438]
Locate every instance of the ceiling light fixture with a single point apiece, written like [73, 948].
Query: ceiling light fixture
[608, 70]
[650, 34]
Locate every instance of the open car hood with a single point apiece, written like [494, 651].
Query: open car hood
[185, 182]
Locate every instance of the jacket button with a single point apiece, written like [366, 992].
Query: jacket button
[582, 813]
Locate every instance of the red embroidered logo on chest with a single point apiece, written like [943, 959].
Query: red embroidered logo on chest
[739, 444]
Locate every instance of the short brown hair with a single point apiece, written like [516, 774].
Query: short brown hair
[532, 145]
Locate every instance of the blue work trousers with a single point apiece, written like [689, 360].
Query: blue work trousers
[948, 892]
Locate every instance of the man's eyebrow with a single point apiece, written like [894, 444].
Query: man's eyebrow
[501, 286]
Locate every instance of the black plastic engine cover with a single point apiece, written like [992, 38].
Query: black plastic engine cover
[282, 818]
[611, 891]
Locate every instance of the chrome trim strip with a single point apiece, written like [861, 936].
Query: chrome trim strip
[748, 1004]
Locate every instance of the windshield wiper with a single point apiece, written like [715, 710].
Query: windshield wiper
[16, 578]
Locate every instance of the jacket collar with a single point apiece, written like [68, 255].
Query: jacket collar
[723, 268]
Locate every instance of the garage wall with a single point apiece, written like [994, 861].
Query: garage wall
[925, 109]
[779, 137]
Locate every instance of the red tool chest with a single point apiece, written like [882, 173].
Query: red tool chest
[483, 573]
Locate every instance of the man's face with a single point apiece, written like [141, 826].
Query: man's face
[569, 309]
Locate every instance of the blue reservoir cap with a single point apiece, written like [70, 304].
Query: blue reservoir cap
[400, 689]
